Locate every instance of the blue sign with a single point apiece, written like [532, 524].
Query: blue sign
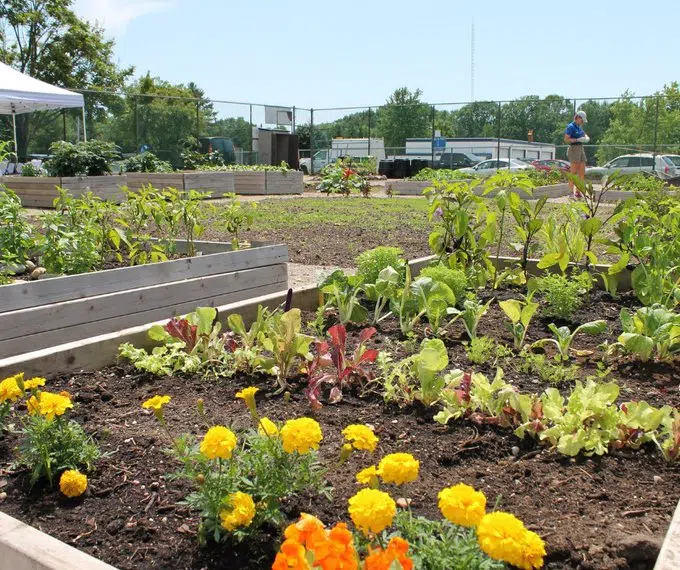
[439, 143]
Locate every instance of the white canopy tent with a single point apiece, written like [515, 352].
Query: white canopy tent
[21, 93]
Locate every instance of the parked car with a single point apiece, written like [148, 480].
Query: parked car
[666, 166]
[456, 160]
[551, 164]
[489, 167]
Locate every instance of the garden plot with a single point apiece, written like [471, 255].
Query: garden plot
[470, 407]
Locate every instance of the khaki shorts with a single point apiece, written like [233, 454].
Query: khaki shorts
[576, 153]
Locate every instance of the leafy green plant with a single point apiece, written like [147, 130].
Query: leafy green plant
[520, 312]
[428, 363]
[443, 175]
[384, 289]
[563, 294]
[440, 545]
[67, 248]
[16, 233]
[563, 241]
[371, 262]
[50, 446]
[340, 179]
[342, 292]
[528, 222]
[286, 344]
[244, 342]
[433, 299]
[456, 279]
[464, 227]
[146, 162]
[190, 344]
[472, 313]
[29, 170]
[237, 217]
[668, 440]
[651, 331]
[480, 350]
[91, 158]
[546, 370]
[564, 337]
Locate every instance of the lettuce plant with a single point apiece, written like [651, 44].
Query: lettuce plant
[427, 364]
[564, 337]
[342, 292]
[651, 331]
[286, 344]
[472, 313]
[520, 314]
[380, 292]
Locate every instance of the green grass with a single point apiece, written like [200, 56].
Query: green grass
[375, 214]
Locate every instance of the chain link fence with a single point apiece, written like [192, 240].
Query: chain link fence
[526, 129]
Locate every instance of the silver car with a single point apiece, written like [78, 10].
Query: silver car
[490, 167]
[665, 165]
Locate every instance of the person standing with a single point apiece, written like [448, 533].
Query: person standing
[575, 137]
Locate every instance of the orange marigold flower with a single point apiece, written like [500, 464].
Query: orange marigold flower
[396, 551]
[291, 557]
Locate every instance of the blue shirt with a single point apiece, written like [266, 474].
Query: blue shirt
[574, 131]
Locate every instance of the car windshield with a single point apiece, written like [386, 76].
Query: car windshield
[673, 160]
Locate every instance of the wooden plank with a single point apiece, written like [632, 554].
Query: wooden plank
[72, 320]
[95, 352]
[35, 293]
[158, 180]
[284, 183]
[218, 183]
[669, 557]
[250, 182]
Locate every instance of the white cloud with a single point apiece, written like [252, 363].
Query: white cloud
[115, 15]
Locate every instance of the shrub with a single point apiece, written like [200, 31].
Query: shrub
[146, 162]
[91, 158]
[563, 295]
[370, 263]
[29, 170]
[16, 233]
[454, 278]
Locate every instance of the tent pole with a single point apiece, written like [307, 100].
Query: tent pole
[84, 127]
[16, 148]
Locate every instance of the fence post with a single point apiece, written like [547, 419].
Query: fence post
[63, 116]
[311, 141]
[656, 133]
[250, 158]
[136, 124]
[498, 133]
[198, 127]
[369, 131]
[292, 130]
[432, 142]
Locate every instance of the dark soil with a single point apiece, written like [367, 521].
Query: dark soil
[608, 512]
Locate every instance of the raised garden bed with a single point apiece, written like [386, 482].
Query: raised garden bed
[290, 182]
[601, 512]
[217, 183]
[45, 313]
[158, 180]
[40, 192]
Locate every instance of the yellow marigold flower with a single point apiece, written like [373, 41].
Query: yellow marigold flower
[301, 435]
[34, 383]
[531, 552]
[501, 536]
[398, 468]
[248, 396]
[48, 405]
[218, 443]
[267, 427]
[372, 510]
[462, 505]
[368, 476]
[10, 390]
[72, 483]
[360, 437]
[156, 403]
[241, 511]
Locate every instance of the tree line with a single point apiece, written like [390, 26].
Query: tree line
[46, 39]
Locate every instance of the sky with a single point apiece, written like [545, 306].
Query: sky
[352, 53]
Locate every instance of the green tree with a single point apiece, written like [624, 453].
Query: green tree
[237, 129]
[46, 40]
[477, 119]
[404, 116]
[547, 118]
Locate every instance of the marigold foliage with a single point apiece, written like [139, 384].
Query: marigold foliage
[462, 505]
[72, 483]
[398, 468]
[360, 437]
[301, 435]
[372, 510]
[218, 443]
[240, 512]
